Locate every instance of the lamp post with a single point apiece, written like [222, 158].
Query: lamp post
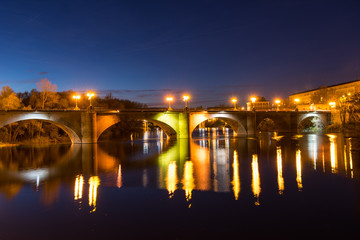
[186, 99]
[234, 100]
[90, 95]
[169, 99]
[332, 105]
[277, 102]
[296, 100]
[253, 100]
[76, 97]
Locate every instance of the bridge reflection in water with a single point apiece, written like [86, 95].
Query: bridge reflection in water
[241, 166]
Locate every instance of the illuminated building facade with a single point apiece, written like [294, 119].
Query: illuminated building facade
[258, 105]
[324, 96]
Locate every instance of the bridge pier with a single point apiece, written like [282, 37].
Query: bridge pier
[184, 130]
[88, 127]
[251, 123]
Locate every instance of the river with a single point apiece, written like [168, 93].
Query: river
[213, 186]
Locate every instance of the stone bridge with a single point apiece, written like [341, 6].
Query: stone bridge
[87, 127]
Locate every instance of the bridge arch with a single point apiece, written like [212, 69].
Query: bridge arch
[105, 122]
[267, 125]
[235, 124]
[74, 137]
[312, 123]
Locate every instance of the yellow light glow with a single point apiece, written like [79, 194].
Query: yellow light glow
[345, 158]
[186, 98]
[188, 180]
[253, 99]
[298, 169]
[78, 189]
[90, 95]
[119, 177]
[94, 182]
[76, 97]
[171, 179]
[255, 178]
[236, 178]
[296, 100]
[201, 160]
[314, 146]
[234, 100]
[351, 161]
[169, 99]
[333, 153]
[277, 101]
[281, 184]
[332, 104]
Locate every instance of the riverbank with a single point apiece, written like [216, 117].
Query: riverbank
[39, 140]
[8, 144]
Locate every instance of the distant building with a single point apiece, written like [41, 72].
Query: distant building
[322, 97]
[259, 105]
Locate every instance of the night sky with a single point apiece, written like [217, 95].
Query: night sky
[144, 50]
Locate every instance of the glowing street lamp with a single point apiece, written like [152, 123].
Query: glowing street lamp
[234, 101]
[296, 100]
[76, 97]
[332, 104]
[169, 99]
[90, 95]
[277, 102]
[253, 100]
[186, 99]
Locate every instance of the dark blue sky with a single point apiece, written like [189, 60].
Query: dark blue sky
[143, 50]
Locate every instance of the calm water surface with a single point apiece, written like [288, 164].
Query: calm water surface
[211, 187]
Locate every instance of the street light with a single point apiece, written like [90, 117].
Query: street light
[253, 100]
[332, 104]
[296, 100]
[76, 97]
[169, 99]
[277, 101]
[186, 99]
[234, 100]
[90, 95]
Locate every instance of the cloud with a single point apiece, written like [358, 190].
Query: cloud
[137, 92]
[43, 73]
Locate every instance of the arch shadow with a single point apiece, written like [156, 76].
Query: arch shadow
[237, 127]
[311, 123]
[169, 131]
[267, 125]
[74, 137]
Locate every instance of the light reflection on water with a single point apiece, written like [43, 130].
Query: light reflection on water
[208, 164]
[245, 169]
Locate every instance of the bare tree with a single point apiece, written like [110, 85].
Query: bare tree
[46, 89]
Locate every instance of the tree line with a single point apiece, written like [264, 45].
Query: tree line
[45, 96]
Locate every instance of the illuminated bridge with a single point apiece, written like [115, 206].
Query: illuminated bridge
[86, 127]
